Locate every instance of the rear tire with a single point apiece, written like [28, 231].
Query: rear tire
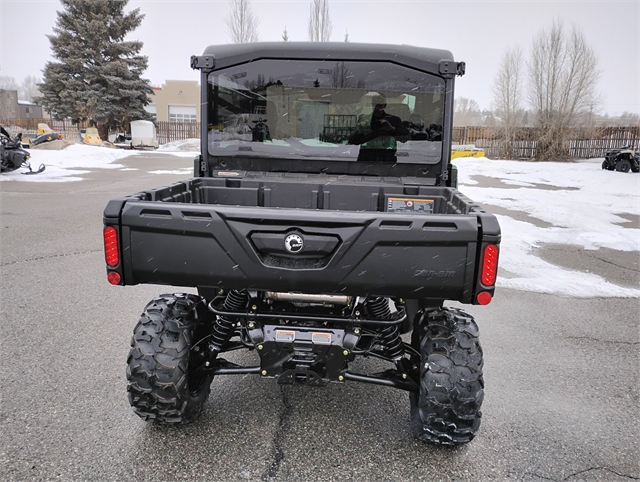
[446, 411]
[163, 387]
[623, 166]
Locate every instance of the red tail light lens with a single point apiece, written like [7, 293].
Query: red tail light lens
[489, 265]
[111, 254]
[114, 278]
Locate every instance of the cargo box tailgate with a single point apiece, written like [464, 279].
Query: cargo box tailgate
[357, 253]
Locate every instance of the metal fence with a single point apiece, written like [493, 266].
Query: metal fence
[584, 142]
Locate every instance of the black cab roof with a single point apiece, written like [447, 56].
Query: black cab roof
[435, 61]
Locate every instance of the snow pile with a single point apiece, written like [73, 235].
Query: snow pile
[188, 145]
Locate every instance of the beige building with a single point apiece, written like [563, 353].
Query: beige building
[176, 101]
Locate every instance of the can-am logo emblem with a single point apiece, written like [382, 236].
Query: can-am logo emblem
[293, 243]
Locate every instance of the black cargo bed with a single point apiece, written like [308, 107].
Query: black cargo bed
[230, 233]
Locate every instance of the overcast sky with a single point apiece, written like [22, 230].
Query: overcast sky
[476, 31]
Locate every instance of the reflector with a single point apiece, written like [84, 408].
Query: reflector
[113, 278]
[484, 298]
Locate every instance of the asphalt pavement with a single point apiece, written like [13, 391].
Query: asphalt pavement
[561, 375]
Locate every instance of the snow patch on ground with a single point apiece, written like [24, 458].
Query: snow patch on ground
[585, 213]
[184, 148]
[68, 164]
[178, 172]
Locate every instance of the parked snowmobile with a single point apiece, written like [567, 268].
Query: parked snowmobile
[624, 159]
[12, 154]
[90, 136]
[45, 134]
[47, 137]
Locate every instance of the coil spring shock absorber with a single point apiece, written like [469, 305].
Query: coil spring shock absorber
[378, 307]
[224, 325]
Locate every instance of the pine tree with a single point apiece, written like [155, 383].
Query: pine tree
[98, 75]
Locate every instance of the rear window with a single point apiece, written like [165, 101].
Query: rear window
[350, 111]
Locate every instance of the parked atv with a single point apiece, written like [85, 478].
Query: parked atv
[624, 159]
[12, 154]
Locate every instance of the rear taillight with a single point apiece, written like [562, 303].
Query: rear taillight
[111, 254]
[489, 265]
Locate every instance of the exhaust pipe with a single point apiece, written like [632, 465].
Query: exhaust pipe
[304, 298]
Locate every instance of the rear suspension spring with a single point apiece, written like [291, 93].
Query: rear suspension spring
[378, 307]
[224, 326]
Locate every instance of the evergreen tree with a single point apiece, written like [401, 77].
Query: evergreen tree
[98, 75]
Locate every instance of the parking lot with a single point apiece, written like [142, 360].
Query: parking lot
[561, 374]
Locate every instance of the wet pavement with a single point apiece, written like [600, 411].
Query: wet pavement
[561, 374]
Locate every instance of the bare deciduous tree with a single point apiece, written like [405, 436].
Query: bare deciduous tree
[507, 97]
[29, 88]
[285, 35]
[319, 22]
[243, 25]
[466, 112]
[341, 76]
[507, 87]
[563, 74]
[8, 83]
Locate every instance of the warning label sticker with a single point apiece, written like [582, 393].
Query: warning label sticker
[409, 205]
[285, 336]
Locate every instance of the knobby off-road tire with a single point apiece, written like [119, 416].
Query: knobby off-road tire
[446, 411]
[623, 166]
[162, 385]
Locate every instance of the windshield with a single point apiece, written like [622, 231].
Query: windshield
[326, 110]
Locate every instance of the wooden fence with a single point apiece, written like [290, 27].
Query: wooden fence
[177, 131]
[165, 131]
[30, 126]
[584, 143]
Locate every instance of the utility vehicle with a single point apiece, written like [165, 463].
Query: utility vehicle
[312, 237]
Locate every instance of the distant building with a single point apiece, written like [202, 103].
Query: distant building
[12, 108]
[29, 110]
[176, 101]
